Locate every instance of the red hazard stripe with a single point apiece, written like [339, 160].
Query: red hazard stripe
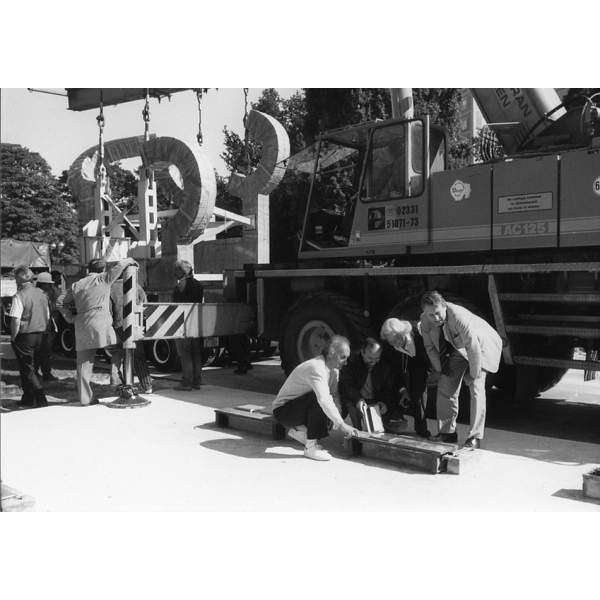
[176, 325]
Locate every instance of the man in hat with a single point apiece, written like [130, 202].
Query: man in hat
[45, 283]
[30, 314]
[87, 304]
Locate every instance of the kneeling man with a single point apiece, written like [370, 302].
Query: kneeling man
[368, 380]
[305, 402]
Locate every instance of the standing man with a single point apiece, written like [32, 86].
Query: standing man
[30, 314]
[140, 366]
[475, 351]
[87, 304]
[189, 349]
[305, 403]
[406, 339]
[366, 380]
[43, 356]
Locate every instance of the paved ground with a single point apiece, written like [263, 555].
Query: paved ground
[169, 456]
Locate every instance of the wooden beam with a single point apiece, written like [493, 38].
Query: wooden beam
[249, 419]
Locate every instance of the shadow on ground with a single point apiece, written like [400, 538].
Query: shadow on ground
[575, 495]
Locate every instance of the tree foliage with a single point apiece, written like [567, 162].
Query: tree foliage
[35, 205]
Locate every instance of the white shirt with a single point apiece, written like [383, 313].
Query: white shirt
[313, 376]
[16, 307]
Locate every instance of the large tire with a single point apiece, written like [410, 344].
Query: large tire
[66, 339]
[311, 322]
[163, 355]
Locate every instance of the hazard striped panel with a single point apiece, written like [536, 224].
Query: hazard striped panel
[165, 320]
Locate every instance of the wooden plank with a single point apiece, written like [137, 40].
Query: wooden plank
[245, 420]
[405, 450]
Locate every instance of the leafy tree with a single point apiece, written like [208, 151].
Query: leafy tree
[35, 206]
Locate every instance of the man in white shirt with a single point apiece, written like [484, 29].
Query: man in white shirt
[305, 403]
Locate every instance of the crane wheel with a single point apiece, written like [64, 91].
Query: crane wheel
[313, 320]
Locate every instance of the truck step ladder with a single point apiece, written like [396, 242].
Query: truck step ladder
[547, 318]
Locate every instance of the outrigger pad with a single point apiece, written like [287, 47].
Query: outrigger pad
[403, 449]
[250, 417]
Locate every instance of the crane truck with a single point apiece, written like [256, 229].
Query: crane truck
[515, 238]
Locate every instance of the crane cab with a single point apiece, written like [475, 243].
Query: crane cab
[369, 191]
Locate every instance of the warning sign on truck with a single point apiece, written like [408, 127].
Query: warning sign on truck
[525, 202]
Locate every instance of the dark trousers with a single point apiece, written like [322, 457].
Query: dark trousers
[25, 346]
[417, 391]
[140, 366]
[304, 410]
[44, 354]
[190, 353]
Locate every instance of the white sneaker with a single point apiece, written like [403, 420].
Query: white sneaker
[315, 452]
[298, 435]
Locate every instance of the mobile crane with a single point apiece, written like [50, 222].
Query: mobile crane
[515, 238]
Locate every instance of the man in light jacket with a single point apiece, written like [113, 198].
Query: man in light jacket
[87, 304]
[475, 351]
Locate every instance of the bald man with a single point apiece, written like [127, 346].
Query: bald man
[305, 403]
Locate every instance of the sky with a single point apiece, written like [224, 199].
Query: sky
[43, 123]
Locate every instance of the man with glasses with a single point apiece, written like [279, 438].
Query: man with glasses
[406, 339]
[366, 380]
[305, 403]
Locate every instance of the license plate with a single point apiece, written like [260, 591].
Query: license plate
[211, 342]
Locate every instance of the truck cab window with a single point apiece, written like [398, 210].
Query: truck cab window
[395, 162]
[333, 196]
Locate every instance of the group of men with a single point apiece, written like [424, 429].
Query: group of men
[449, 340]
[94, 304]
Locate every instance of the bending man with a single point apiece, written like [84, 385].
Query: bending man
[475, 351]
[406, 339]
[305, 402]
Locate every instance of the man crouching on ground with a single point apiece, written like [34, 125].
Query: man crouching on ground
[305, 402]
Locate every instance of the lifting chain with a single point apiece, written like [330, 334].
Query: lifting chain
[146, 116]
[246, 140]
[100, 121]
[199, 99]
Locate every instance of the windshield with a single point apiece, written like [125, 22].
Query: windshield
[333, 196]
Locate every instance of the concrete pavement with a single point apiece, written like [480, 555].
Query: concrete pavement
[169, 456]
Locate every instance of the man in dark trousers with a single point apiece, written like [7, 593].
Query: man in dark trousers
[413, 362]
[30, 312]
[368, 380]
[43, 357]
[189, 349]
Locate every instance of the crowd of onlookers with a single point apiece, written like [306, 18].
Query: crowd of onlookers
[94, 306]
